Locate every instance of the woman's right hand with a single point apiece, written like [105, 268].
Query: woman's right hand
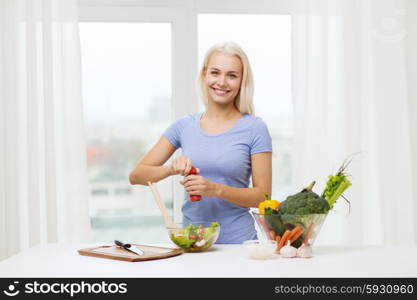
[181, 165]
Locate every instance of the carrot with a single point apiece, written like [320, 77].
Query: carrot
[284, 239]
[308, 234]
[296, 236]
[294, 232]
[272, 235]
[278, 238]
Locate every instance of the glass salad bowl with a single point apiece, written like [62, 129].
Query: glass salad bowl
[196, 236]
[298, 229]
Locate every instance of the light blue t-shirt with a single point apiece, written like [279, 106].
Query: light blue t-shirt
[223, 158]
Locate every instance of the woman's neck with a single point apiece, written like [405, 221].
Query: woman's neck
[217, 112]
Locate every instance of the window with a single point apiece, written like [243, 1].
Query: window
[127, 104]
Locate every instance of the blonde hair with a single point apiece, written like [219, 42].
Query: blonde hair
[244, 99]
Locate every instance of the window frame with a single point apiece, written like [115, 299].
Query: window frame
[183, 16]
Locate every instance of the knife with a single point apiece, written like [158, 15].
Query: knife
[129, 247]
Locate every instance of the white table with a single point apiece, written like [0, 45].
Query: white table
[63, 260]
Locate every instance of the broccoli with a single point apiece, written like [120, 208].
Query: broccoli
[303, 209]
[304, 203]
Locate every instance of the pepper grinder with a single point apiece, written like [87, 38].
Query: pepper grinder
[194, 198]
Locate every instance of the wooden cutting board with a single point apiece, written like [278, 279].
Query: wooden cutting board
[115, 252]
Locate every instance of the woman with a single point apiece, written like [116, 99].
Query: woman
[227, 144]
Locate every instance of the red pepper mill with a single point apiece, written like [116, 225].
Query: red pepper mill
[194, 198]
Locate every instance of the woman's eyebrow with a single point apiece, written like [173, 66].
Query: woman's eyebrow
[214, 68]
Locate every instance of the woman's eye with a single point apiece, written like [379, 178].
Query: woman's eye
[232, 76]
[214, 73]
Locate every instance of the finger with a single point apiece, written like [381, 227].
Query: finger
[188, 166]
[191, 180]
[192, 190]
[194, 187]
[190, 183]
[195, 192]
[183, 167]
[187, 183]
[189, 177]
[177, 165]
[188, 190]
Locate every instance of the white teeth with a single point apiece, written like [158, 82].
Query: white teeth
[220, 92]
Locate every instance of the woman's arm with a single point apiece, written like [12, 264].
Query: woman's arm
[151, 167]
[261, 182]
[248, 197]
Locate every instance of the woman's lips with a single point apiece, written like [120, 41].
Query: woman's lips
[220, 92]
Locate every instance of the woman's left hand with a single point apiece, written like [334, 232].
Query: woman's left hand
[198, 185]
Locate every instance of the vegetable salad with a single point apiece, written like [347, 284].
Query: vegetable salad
[195, 238]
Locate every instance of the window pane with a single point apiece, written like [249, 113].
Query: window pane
[266, 39]
[127, 105]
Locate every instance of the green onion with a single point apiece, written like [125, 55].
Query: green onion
[336, 185]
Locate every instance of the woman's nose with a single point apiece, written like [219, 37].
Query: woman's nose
[222, 80]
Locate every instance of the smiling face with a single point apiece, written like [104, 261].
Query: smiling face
[223, 77]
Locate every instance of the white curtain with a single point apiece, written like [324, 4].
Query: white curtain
[43, 178]
[351, 90]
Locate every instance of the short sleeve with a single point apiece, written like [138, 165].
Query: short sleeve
[174, 132]
[261, 139]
